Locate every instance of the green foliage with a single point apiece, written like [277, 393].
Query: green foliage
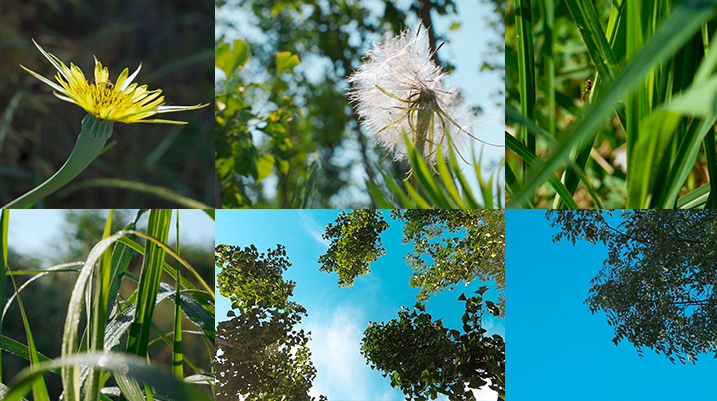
[643, 135]
[475, 251]
[355, 243]
[435, 186]
[657, 283]
[260, 356]
[96, 292]
[239, 160]
[423, 358]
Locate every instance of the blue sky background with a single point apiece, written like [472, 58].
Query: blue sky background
[557, 348]
[337, 316]
[34, 231]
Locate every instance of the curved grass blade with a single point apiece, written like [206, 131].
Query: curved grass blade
[120, 365]
[39, 388]
[675, 30]
[159, 192]
[17, 348]
[4, 223]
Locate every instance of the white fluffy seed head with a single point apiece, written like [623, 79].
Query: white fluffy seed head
[399, 90]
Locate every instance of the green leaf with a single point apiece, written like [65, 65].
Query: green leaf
[286, 61]
[264, 167]
[229, 60]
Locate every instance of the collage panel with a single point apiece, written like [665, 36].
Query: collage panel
[107, 305]
[611, 104]
[360, 305]
[361, 104]
[106, 104]
[614, 304]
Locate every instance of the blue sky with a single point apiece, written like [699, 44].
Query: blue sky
[33, 231]
[337, 316]
[466, 48]
[557, 348]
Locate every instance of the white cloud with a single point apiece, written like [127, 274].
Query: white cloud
[335, 349]
[485, 393]
[314, 229]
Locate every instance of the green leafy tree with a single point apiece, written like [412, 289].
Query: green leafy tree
[355, 243]
[657, 284]
[463, 245]
[450, 247]
[260, 356]
[423, 358]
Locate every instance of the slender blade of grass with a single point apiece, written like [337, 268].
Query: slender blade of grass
[39, 388]
[157, 227]
[4, 223]
[99, 311]
[526, 71]
[119, 365]
[177, 355]
[675, 30]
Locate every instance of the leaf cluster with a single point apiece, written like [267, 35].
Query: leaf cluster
[475, 251]
[261, 356]
[355, 243]
[240, 161]
[657, 283]
[423, 358]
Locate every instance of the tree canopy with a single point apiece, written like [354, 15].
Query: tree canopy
[423, 358]
[657, 284]
[260, 356]
[355, 242]
[450, 246]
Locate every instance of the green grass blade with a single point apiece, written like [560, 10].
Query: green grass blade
[526, 71]
[406, 202]
[37, 275]
[39, 388]
[378, 197]
[177, 356]
[159, 192]
[17, 348]
[119, 365]
[533, 160]
[71, 373]
[169, 269]
[157, 227]
[4, 223]
[711, 156]
[675, 30]
[99, 311]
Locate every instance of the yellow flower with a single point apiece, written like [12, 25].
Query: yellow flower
[122, 101]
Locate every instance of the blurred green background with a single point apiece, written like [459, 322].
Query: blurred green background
[173, 41]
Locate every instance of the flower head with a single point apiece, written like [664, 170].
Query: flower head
[400, 92]
[122, 101]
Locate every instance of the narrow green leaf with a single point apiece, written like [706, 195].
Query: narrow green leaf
[120, 365]
[158, 228]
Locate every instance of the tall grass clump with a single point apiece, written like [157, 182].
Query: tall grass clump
[612, 105]
[112, 320]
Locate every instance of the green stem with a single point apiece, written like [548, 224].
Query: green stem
[90, 142]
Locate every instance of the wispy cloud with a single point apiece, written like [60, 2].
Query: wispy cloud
[335, 349]
[313, 228]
